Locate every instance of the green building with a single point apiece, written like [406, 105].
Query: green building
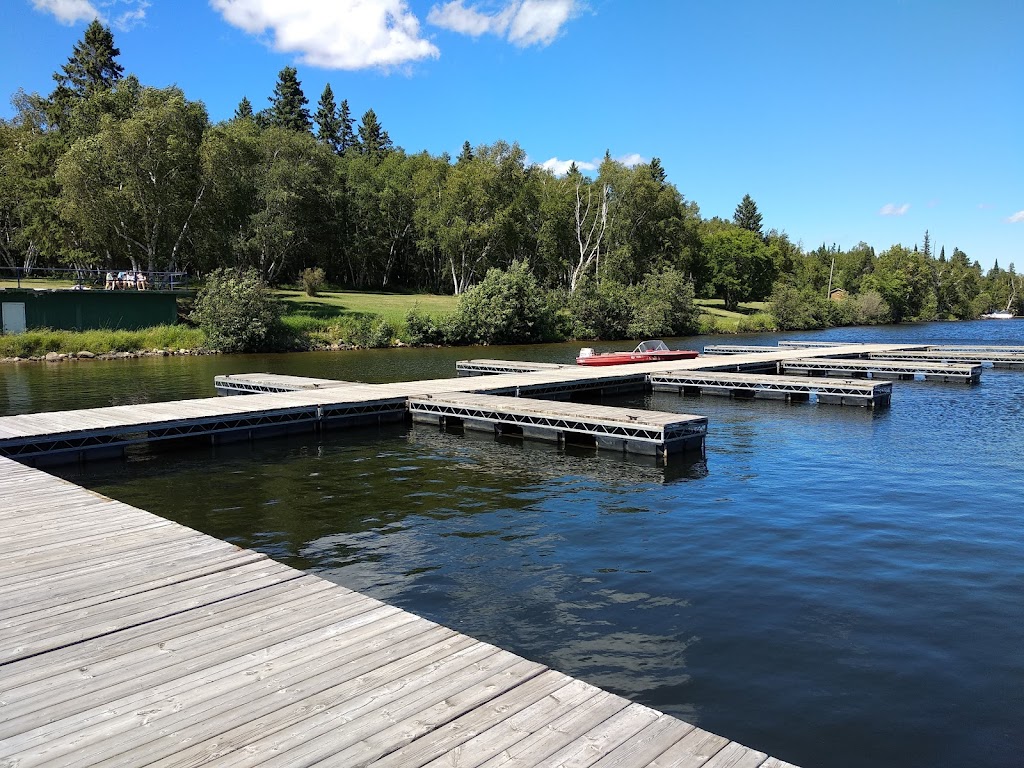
[82, 310]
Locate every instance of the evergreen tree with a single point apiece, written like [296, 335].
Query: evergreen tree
[288, 104]
[747, 215]
[658, 170]
[92, 68]
[574, 170]
[467, 153]
[373, 140]
[243, 110]
[346, 131]
[327, 123]
[927, 244]
[942, 254]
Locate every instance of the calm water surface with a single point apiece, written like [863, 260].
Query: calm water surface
[833, 586]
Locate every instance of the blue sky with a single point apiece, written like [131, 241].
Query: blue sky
[871, 120]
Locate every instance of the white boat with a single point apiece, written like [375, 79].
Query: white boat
[1004, 315]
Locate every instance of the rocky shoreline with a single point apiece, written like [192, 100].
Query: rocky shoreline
[61, 357]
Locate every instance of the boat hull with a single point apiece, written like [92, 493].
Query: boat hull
[624, 358]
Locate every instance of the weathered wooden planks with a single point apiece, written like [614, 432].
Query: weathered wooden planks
[185, 650]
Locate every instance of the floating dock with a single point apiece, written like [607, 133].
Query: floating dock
[492, 367]
[252, 383]
[625, 430]
[788, 388]
[899, 370]
[127, 639]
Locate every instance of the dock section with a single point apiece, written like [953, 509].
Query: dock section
[127, 639]
[787, 388]
[251, 383]
[626, 430]
[488, 367]
[883, 368]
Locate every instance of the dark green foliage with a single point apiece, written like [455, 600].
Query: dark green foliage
[747, 215]
[347, 135]
[466, 154]
[244, 110]
[328, 123]
[423, 329]
[507, 307]
[662, 305]
[237, 312]
[599, 311]
[373, 140]
[288, 104]
[91, 68]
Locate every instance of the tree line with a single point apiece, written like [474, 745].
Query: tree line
[105, 171]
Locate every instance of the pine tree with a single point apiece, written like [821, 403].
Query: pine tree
[573, 170]
[244, 110]
[927, 244]
[92, 66]
[327, 123]
[288, 104]
[658, 171]
[373, 140]
[942, 254]
[467, 153]
[346, 131]
[747, 215]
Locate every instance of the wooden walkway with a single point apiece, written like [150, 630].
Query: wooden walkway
[129, 640]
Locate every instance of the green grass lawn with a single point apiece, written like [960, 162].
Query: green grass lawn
[335, 305]
[714, 311]
[37, 282]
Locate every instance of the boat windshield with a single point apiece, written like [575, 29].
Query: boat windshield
[653, 345]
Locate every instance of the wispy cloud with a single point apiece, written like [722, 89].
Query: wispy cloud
[343, 34]
[891, 209]
[561, 167]
[521, 22]
[985, 206]
[68, 11]
[122, 14]
[1016, 218]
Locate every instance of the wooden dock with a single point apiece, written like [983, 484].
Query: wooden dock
[250, 383]
[130, 640]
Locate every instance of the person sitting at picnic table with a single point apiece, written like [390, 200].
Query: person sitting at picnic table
[130, 280]
[121, 279]
[140, 280]
[109, 285]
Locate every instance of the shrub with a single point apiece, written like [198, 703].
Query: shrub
[599, 311]
[507, 307]
[237, 312]
[662, 305]
[423, 329]
[756, 323]
[312, 280]
[869, 308]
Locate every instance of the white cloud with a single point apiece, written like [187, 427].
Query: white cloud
[890, 209]
[631, 160]
[561, 167]
[68, 11]
[343, 34]
[1016, 218]
[521, 22]
[121, 14]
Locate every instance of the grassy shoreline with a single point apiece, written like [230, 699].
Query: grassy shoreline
[331, 320]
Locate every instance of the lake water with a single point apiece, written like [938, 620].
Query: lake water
[834, 586]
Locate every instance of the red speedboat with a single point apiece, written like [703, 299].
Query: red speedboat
[646, 352]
